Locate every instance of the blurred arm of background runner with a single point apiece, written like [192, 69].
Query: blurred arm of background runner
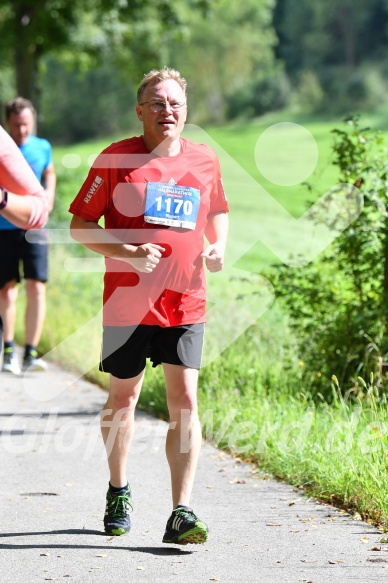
[49, 180]
[29, 211]
[216, 233]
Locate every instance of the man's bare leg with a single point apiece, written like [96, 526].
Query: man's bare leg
[8, 297]
[184, 438]
[117, 424]
[183, 446]
[35, 310]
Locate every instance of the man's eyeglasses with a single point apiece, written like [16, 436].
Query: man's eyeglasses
[162, 105]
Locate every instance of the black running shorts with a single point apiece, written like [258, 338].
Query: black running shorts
[17, 250]
[126, 348]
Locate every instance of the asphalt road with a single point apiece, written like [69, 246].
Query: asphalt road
[53, 484]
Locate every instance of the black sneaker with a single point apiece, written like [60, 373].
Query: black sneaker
[118, 506]
[10, 362]
[184, 527]
[32, 363]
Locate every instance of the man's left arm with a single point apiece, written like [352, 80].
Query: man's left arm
[216, 233]
[49, 180]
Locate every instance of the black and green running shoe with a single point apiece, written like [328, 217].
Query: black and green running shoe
[118, 506]
[184, 527]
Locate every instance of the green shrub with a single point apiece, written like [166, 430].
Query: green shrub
[339, 303]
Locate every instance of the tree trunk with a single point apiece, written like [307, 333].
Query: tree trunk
[26, 53]
[349, 31]
[26, 74]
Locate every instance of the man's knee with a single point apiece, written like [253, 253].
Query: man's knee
[184, 405]
[122, 403]
[9, 291]
[35, 288]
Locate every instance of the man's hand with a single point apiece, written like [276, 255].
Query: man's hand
[146, 257]
[89, 233]
[214, 258]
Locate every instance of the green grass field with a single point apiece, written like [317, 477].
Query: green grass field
[251, 398]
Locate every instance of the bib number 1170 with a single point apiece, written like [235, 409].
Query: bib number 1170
[174, 205]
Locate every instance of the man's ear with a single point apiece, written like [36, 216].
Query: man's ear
[139, 112]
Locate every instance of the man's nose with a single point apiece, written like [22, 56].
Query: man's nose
[167, 107]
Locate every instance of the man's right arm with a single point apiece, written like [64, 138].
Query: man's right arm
[27, 211]
[144, 258]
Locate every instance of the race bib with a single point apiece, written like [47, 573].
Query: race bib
[172, 205]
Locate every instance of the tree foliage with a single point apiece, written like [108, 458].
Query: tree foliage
[340, 40]
[241, 59]
[224, 50]
[30, 29]
[230, 56]
[339, 303]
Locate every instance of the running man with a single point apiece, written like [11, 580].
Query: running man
[160, 195]
[20, 118]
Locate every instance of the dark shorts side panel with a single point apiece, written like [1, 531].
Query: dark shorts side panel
[126, 348]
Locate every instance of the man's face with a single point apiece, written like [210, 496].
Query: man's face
[166, 124]
[21, 125]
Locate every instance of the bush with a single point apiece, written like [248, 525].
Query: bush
[339, 303]
[348, 89]
[267, 92]
[309, 94]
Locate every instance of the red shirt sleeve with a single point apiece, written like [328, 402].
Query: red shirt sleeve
[94, 197]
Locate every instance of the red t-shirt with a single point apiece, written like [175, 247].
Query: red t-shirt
[116, 189]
